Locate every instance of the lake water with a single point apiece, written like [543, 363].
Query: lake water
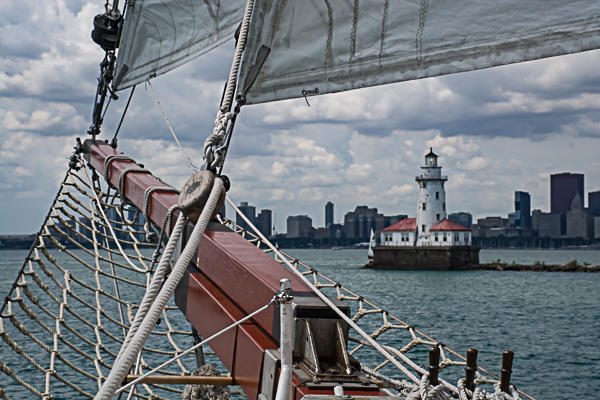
[550, 320]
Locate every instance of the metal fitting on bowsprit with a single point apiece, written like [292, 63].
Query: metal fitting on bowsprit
[194, 194]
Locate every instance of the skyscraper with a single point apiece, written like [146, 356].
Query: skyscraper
[264, 222]
[522, 210]
[463, 218]
[358, 223]
[299, 226]
[563, 188]
[328, 214]
[250, 213]
[594, 202]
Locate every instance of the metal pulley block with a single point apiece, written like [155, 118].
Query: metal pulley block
[106, 30]
[194, 194]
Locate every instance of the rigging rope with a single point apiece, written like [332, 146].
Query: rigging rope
[198, 345]
[387, 332]
[114, 139]
[216, 144]
[63, 322]
[150, 91]
[76, 295]
[129, 351]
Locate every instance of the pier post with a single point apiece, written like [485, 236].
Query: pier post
[434, 365]
[470, 369]
[507, 361]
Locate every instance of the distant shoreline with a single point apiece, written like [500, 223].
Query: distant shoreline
[24, 243]
[538, 266]
[572, 266]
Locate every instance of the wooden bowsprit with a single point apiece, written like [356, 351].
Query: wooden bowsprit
[229, 278]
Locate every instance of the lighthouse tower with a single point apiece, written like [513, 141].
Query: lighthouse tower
[431, 205]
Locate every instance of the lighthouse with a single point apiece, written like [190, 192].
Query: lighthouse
[430, 240]
[431, 199]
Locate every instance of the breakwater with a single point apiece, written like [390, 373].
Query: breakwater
[572, 266]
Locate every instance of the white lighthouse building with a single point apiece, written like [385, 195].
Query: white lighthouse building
[430, 228]
[430, 240]
[431, 200]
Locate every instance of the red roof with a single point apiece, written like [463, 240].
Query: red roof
[405, 225]
[447, 225]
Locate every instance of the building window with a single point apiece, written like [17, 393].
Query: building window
[444, 206]
[424, 206]
[437, 216]
[437, 195]
[422, 228]
[445, 240]
[436, 237]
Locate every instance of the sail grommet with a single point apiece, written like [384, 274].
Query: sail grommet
[194, 195]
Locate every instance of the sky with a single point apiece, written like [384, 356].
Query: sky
[497, 130]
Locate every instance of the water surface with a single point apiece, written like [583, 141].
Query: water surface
[550, 320]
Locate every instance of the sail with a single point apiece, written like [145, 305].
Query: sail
[372, 244]
[299, 48]
[159, 35]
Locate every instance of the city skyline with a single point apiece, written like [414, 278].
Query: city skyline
[568, 221]
[497, 130]
[510, 208]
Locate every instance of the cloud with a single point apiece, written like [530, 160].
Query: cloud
[496, 130]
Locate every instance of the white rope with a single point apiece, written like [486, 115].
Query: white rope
[196, 346]
[168, 123]
[331, 305]
[108, 224]
[62, 322]
[125, 361]
[237, 58]
[156, 282]
[224, 115]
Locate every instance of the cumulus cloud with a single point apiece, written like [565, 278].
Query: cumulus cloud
[496, 130]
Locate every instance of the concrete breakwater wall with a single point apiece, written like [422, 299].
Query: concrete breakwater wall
[572, 266]
[431, 258]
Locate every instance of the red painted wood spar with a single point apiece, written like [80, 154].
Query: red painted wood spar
[228, 279]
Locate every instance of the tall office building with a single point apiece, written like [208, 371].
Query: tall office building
[358, 223]
[579, 221]
[594, 203]
[328, 214]
[463, 218]
[522, 210]
[138, 220]
[299, 226]
[117, 223]
[85, 230]
[250, 213]
[563, 188]
[549, 225]
[264, 222]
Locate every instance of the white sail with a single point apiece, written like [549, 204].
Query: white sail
[371, 245]
[159, 35]
[298, 48]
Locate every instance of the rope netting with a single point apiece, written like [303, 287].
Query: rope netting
[66, 317]
[404, 372]
[69, 311]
